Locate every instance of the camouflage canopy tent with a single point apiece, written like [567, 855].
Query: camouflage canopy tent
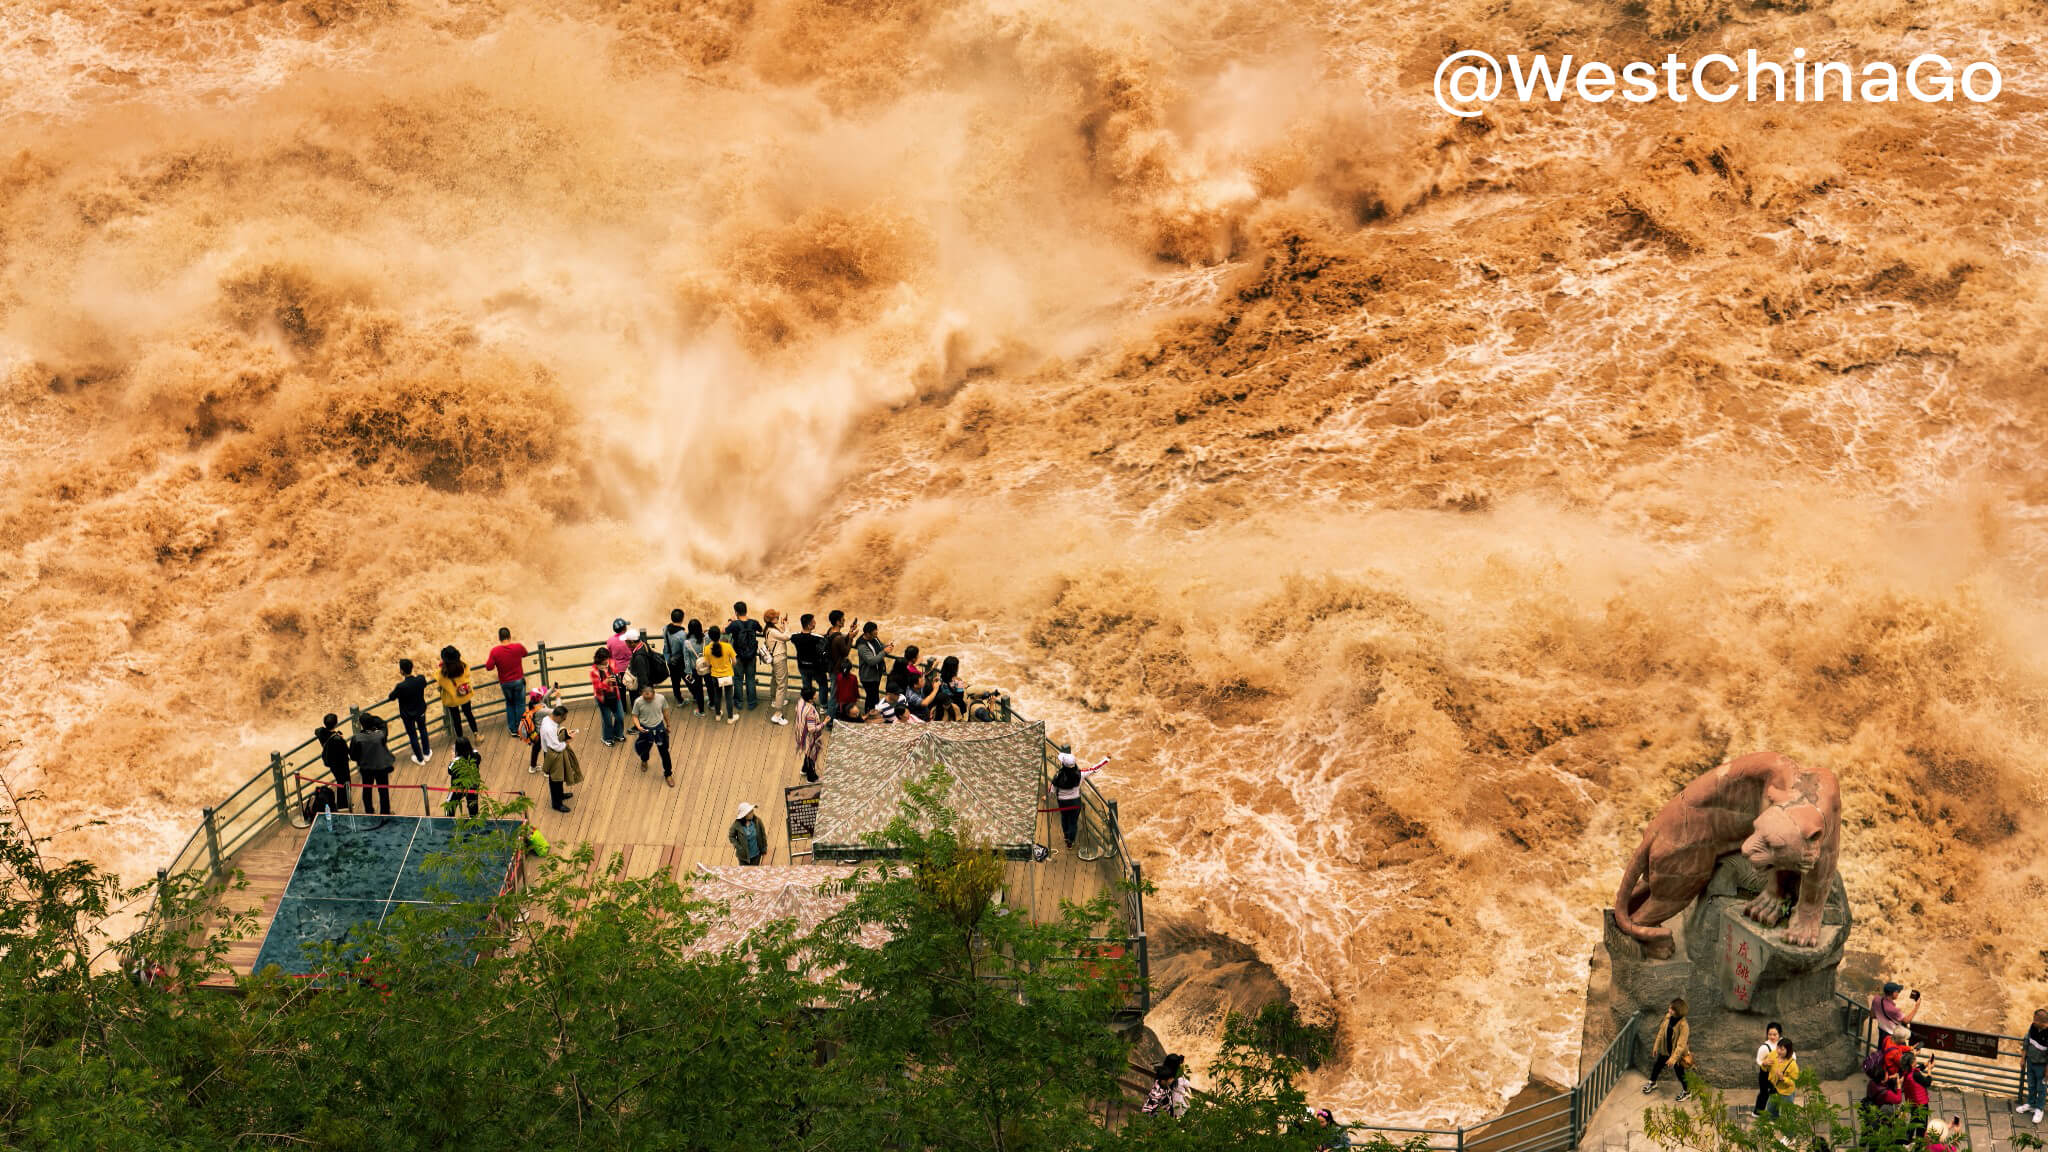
[997, 770]
[751, 898]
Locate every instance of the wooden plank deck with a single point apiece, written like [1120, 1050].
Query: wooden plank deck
[622, 810]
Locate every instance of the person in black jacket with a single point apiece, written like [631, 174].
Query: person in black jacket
[373, 755]
[1066, 792]
[334, 754]
[873, 657]
[411, 695]
[838, 643]
[648, 668]
[810, 659]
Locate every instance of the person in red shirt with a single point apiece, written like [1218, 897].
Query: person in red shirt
[508, 660]
[610, 696]
[620, 649]
[846, 688]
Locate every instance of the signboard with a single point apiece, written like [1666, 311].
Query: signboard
[1956, 1040]
[801, 804]
[1742, 955]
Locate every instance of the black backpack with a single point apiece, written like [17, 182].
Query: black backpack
[657, 665]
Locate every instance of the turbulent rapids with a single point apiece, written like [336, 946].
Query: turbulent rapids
[1409, 504]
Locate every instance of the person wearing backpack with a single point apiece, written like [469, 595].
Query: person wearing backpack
[334, 754]
[539, 702]
[2034, 1065]
[1066, 792]
[873, 658]
[1884, 1094]
[719, 659]
[610, 697]
[744, 635]
[648, 668]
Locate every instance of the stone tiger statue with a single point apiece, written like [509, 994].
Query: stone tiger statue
[1784, 818]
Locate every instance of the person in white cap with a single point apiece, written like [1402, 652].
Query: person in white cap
[748, 835]
[1066, 793]
[617, 649]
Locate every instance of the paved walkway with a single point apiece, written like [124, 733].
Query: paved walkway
[1618, 1125]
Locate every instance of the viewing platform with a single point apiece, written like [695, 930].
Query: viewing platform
[628, 815]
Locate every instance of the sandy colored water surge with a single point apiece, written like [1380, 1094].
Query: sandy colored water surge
[1410, 505]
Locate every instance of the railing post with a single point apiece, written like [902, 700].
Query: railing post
[1144, 976]
[426, 801]
[1006, 707]
[284, 809]
[1138, 890]
[163, 897]
[541, 649]
[1575, 1113]
[355, 719]
[212, 843]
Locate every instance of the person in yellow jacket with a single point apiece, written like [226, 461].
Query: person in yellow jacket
[1673, 1047]
[1784, 1074]
[456, 703]
[719, 658]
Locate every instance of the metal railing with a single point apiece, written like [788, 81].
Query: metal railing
[1550, 1125]
[2001, 1076]
[271, 796]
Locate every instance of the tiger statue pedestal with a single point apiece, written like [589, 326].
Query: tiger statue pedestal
[1736, 976]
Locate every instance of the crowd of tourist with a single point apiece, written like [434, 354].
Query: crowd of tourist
[1898, 1073]
[849, 673]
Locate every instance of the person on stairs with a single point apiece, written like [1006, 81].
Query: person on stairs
[1673, 1048]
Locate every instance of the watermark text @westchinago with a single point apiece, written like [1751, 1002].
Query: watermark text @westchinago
[1468, 81]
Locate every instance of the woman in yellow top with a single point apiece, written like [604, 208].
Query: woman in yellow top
[456, 704]
[718, 660]
[1673, 1047]
[1784, 1073]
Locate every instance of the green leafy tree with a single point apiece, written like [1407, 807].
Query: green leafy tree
[580, 1012]
[971, 1027]
[94, 1059]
